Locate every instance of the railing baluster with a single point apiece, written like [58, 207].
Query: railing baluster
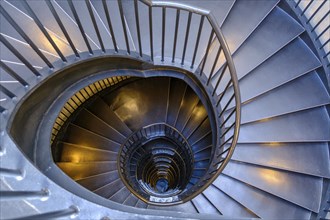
[320, 21]
[70, 212]
[59, 22]
[305, 9]
[320, 35]
[325, 43]
[83, 34]
[200, 29]
[163, 31]
[91, 14]
[151, 34]
[107, 15]
[43, 30]
[297, 4]
[225, 108]
[137, 20]
[186, 38]
[18, 195]
[7, 92]
[19, 56]
[315, 12]
[207, 52]
[327, 54]
[223, 93]
[228, 117]
[228, 129]
[10, 173]
[122, 18]
[25, 37]
[13, 74]
[224, 143]
[214, 65]
[177, 18]
[220, 78]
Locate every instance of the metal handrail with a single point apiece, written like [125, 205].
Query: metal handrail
[222, 155]
[315, 31]
[203, 184]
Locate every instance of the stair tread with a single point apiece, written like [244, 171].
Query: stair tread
[103, 111]
[288, 128]
[190, 100]
[227, 205]
[131, 200]
[133, 101]
[302, 93]
[263, 43]
[83, 170]
[204, 206]
[287, 185]
[305, 158]
[97, 181]
[110, 189]
[197, 117]
[121, 195]
[280, 68]
[95, 124]
[78, 153]
[80, 136]
[176, 94]
[263, 204]
[247, 15]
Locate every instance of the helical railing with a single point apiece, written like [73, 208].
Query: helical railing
[212, 65]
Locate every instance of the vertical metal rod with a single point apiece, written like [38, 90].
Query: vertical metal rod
[24, 36]
[121, 11]
[186, 38]
[197, 40]
[175, 33]
[13, 74]
[325, 43]
[137, 20]
[318, 37]
[43, 30]
[327, 54]
[90, 10]
[226, 106]
[320, 21]
[315, 12]
[107, 15]
[19, 56]
[83, 34]
[207, 52]
[214, 65]
[59, 22]
[151, 34]
[227, 130]
[223, 93]
[228, 117]
[305, 9]
[163, 31]
[297, 4]
[18, 195]
[10, 173]
[2, 109]
[221, 75]
[72, 211]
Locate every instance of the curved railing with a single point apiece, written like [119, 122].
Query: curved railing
[228, 135]
[314, 16]
[214, 70]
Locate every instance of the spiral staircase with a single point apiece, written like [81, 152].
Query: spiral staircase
[138, 109]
